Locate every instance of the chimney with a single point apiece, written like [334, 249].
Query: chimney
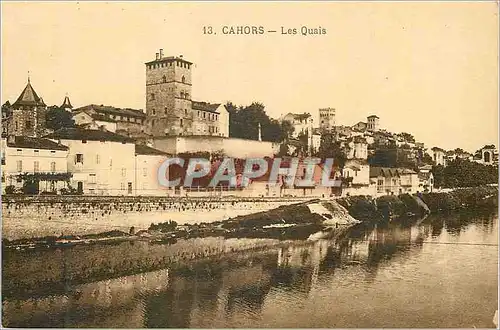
[157, 56]
[161, 53]
[180, 56]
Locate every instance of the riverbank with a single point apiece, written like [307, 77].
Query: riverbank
[292, 221]
[41, 216]
[368, 209]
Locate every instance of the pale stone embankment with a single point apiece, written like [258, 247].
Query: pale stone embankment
[29, 217]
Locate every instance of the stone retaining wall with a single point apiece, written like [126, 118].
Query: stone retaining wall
[29, 217]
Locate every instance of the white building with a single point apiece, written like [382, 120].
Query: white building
[301, 122]
[438, 156]
[394, 181]
[30, 155]
[93, 121]
[102, 162]
[357, 148]
[356, 175]
[147, 162]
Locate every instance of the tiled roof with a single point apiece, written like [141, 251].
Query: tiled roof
[141, 149]
[106, 109]
[169, 59]
[205, 106]
[424, 175]
[29, 97]
[88, 134]
[389, 172]
[35, 143]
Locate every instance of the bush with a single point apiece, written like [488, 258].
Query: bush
[9, 190]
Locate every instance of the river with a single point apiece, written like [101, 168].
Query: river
[441, 271]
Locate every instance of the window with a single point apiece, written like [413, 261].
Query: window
[164, 78]
[28, 124]
[36, 166]
[181, 123]
[380, 184]
[53, 166]
[110, 162]
[166, 111]
[36, 151]
[152, 123]
[79, 158]
[153, 111]
[122, 186]
[186, 95]
[92, 178]
[152, 96]
[124, 171]
[19, 151]
[144, 171]
[186, 112]
[97, 159]
[182, 95]
[52, 152]
[204, 115]
[84, 141]
[19, 165]
[17, 126]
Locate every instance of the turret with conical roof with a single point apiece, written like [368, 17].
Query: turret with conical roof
[66, 105]
[28, 114]
[28, 97]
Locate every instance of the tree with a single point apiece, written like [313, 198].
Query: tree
[57, 118]
[244, 123]
[329, 148]
[407, 137]
[464, 173]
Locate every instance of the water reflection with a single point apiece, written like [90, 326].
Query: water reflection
[377, 276]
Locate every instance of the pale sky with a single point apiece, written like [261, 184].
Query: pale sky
[429, 68]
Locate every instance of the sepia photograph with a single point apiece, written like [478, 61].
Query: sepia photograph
[240, 164]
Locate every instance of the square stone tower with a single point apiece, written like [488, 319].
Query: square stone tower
[168, 96]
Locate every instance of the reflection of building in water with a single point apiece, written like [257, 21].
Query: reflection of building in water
[111, 303]
[298, 266]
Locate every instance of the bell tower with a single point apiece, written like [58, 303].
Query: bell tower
[168, 96]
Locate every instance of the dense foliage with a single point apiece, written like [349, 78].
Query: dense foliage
[57, 118]
[464, 173]
[244, 123]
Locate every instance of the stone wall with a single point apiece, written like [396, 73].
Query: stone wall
[55, 215]
[232, 147]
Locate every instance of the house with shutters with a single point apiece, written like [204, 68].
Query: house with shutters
[43, 159]
[102, 162]
[393, 181]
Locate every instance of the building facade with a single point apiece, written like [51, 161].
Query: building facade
[438, 156]
[301, 122]
[327, 119]
[170, 110]
[128, 122]
[372, 123]
[102, 162]
[30, 155]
